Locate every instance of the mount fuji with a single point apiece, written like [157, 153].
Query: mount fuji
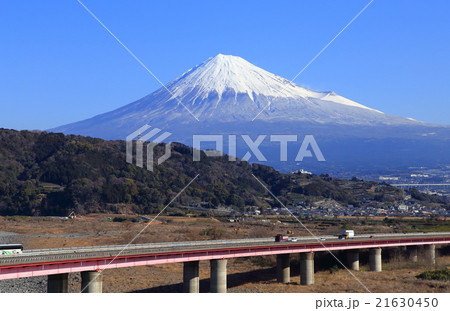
[228, 95]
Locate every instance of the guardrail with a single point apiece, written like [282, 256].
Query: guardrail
[209, 242]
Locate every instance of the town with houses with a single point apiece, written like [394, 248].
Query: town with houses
[330, 208]
[370, 209]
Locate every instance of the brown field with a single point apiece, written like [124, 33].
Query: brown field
[245, 275]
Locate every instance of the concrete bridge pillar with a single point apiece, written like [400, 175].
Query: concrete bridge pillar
[353, 259]
[375, 259]
[218, 280]
[58, 283]
[91, 282]
[411, 253]
[307, 268]
[430, 254]
[283, 268]
[191, 283]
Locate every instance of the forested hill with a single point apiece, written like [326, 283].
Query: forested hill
[52, 174]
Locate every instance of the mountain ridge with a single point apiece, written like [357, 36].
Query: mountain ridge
[53, 174]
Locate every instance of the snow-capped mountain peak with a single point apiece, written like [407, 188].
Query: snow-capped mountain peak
[227, 89]
[230, 73]
[224, 72]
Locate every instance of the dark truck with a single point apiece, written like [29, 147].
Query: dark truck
[281, 238]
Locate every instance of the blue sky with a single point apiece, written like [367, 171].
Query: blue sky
[58, 65]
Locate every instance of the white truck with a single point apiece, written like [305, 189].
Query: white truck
[347, 234]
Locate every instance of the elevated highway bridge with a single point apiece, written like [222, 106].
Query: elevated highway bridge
[90, 261]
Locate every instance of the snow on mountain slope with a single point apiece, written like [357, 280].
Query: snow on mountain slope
[224, 72]
[226, 89]
[227, 72]
[333, 97]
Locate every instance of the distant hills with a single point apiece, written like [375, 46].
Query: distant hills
[52, 174]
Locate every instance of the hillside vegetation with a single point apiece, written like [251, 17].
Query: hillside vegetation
[52, 174]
